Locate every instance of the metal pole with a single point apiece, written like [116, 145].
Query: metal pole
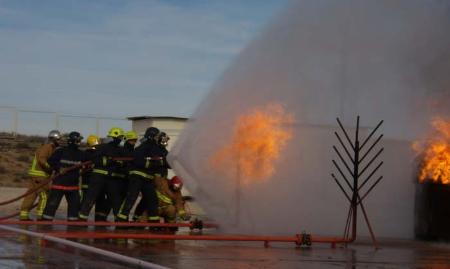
[56, 120]
[97, 126]
[238, 193]
[15, 121]
[355, 178]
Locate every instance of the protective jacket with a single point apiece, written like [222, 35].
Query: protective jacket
[39, 166]
[89, 155]
[149, 160]
[104, 162]
[167, 197]
[62, 159]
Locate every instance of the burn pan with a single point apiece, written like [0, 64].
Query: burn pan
[432, 211]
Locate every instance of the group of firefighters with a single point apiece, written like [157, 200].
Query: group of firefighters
[108, 175]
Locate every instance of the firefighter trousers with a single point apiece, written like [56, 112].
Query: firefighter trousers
[138, 184]
[167, 212]
[98, 186]
[139, 210]
[54, 200]
[102, 205]
[28, 201]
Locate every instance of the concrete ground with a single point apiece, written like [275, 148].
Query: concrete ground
[17, 251]
[24, 252]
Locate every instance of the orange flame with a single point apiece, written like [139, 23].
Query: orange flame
[257, 141]
[436, 154]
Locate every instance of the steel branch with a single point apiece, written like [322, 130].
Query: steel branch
[347, 224]
[370, 189]
[340, 186]
[342, 174]
[368, 225]
[371, 174]
[370, 162]
[370, 149]
[345, 148]
[371, 134]
[345, 133]
[342, 159]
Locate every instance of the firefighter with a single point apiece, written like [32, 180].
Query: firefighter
[67, 183]
[128, 148]
[102, 206]
[92, 142]
[148, 158]
[170, 199]
[39, 173]
[105, 176]
[162, 140]
[130, 142]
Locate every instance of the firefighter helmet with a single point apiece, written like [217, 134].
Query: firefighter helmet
[74, 138]
[176, 183]
[131, 135]
[54, 135]
[163, 139]
[93, 140]
[115, 132]
[151, 133]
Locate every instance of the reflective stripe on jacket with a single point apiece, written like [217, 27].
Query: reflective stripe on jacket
[39, 166]
[168, 197]
[164, 198]
[143, 174]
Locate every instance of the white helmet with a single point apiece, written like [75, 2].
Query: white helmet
[54, 135]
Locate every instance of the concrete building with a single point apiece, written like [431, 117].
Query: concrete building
[168, 124]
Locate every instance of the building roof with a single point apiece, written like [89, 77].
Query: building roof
[156, 118]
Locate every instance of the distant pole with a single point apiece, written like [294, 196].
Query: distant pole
[238, 193]
[56, 120]
[15, 121]
[97, 126]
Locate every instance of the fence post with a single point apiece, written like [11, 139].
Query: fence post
[15, 121]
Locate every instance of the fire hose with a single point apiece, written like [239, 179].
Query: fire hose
[299, 239]
[43, 184]
[109, 254]
[35, 189]
[196, 224]
[66, 170]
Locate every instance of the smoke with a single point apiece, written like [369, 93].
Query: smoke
[322, 59]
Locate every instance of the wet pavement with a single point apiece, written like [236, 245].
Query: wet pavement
[17, 251]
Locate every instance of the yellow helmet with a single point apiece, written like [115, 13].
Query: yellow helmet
[93, 140]
[115, 132]
[131, 135]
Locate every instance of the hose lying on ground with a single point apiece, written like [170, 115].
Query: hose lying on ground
[109, 254]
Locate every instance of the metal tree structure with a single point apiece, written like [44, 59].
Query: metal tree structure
[356, 154]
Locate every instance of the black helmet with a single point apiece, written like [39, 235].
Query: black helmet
[151, 133]
[74, 138]
[163, 139]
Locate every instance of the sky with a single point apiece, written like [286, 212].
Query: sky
[121, 58]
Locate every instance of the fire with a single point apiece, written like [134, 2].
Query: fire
[436, 154]
[256, 144]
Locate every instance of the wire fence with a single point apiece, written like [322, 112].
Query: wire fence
[38, 122]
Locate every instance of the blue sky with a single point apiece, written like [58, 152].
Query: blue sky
[121, 58]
